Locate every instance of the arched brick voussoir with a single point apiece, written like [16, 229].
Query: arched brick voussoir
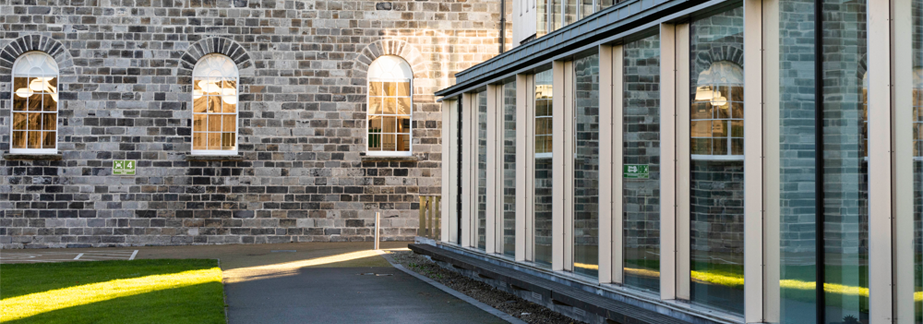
[394, 47]
[27, 43]
[197, 50]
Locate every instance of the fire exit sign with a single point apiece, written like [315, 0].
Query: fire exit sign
[637, 171]
[123, 167]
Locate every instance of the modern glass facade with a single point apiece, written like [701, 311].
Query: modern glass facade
[755, 161]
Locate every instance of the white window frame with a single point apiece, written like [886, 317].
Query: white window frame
[407, 76]
[49, 68]
[200, 72]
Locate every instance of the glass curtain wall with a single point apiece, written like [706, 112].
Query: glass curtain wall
[845, 162]
[541, 12]
[543, 185]
[641, 149]
[917, 59]
[509, 168]
[586, 166]
[797, 203]
[716, 179]
[482, 170]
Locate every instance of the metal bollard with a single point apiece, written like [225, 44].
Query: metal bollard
[377, 226]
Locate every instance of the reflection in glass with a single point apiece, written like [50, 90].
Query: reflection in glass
[214, 104]
[509, 169]
[586, 166]
[845, 167]
[482, 170]
[541, 9]
[543, 185]
[716, 183]
[917, 6]
[797, 205]
[641, 146]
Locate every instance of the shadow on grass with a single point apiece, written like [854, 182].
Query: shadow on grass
[202, 303]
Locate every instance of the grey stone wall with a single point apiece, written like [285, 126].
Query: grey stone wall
[125, 89]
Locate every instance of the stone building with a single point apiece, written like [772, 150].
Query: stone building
[299, 152]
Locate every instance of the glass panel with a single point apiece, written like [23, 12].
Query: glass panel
[34, 122]
[49, 122]
[199, 104]
[375, 133]
[21, 93]
[641, 147]
[214, 104]
[403, 106]
[390, 88]
[603, 4]
[388, 142]
[403, 124]
[586, 8]
[19, 140]
[229, 87]
[389, 124]
[19, 121]
[214, 141]
[555, 8]
[375, 105]
[198, 141]
[229, 103]
[198, 122]
[35, 102]
[570, 11]
[542, 17]
[482, 170]
[375, 89]
[586, 166]
[35, 140]
[543, 184]
[716, 211]
[49, 140]
[845, 167]
[228, 141]
[49, 102]
[509, 169]
[403, 89]
[917, 7]
[390, 106]
[214, 123]
[230, 123]
[403, 143]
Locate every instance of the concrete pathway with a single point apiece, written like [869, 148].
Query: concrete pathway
[301, 282]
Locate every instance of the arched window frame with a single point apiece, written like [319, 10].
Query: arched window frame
[384, 70]
[719, 85]
[212, 70]
[35, 76]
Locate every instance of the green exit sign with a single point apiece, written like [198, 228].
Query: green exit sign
[123, 167]
[637, 171]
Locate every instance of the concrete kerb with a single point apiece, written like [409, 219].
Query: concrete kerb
[493, 311]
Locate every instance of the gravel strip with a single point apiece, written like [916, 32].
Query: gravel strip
[501, 300]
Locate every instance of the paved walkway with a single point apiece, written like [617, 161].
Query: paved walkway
[303, 282]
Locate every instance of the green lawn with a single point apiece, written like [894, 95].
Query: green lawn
[139, 291]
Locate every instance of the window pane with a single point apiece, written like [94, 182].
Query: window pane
[19, 121]
[230, 123]
[716, 187]
[19, 140]
[21, 93]
[388, 142]
[50, 122]
[198, 141]
[35, 122]
[845, 167]
[375, 89]
[214, 123]
[586, 166]
[390, 106]
[509, 169]
[701, 146]
[49, 140]
[570, 11]
[403, 124]
[35, 102]
[403, 106]
[390, 89]
[403, 89]
[375, 105]
[199, 104]
[198, 122]
[701, 129]
[917, 7]
[229, 87]
[737, 128]
[49, 103]
[214, 141]
[403, 143]
[641, 146]
[375, 134]
[482, 170]
[701, 110]
[543, 184]
[214, 104]
[229, 103]
[228, 141]
[389, 124]
[542, 18]
[35, 140]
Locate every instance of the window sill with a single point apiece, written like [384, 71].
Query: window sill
[32, 156]
[236, 157]
[370, 159]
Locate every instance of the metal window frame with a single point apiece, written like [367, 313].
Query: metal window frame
[450, 183]
[524, 105]
[668, 246]
[562, 84]
[469, 100]
[683, 161]
[610, 164]
[494, 171]
[771, 173]
[753, 161]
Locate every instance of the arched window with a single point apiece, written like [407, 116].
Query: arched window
[35, 104]
[214, 105]
[390, 107]
[717, 115]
